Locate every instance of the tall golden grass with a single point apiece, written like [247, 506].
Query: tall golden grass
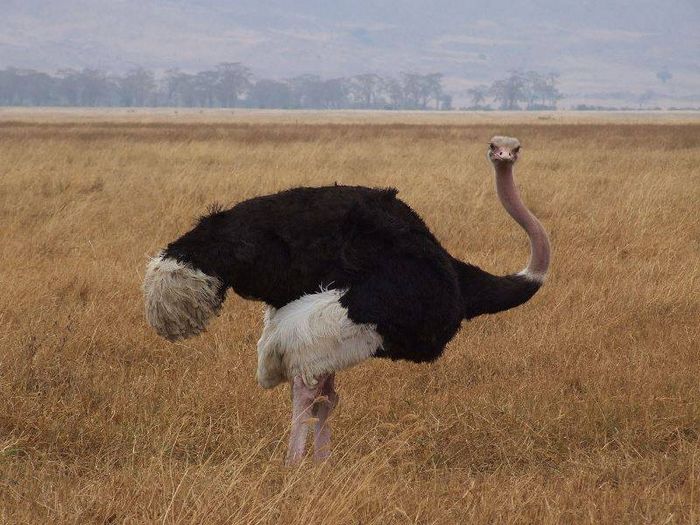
[581, 406]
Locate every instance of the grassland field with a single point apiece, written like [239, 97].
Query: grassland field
[582, 406]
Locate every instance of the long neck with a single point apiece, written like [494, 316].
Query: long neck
[538, 264]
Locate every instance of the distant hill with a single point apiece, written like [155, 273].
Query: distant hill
[601, 49]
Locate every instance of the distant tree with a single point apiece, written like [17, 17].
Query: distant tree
[232, 81]
[540, 91]
[306, 91]
[478, 95]
[137, 87]
[433, 84]
[95, 88]
[312, 92]
[180, 88]
[9, 87]
[414, 91]
[270, 94]
[419, 89]
[333, 93]
[69, 87]
[206, 88]
[446, 102]
[509, 91]
[366, 89]
[37, 88]
[395, 93]
[550, 92]
[533, 87]
[27, 87]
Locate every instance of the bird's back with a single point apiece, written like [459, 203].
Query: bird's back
[278, 247]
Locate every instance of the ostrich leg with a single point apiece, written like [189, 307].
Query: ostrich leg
[311, 404]
[302, 405]
[322, 409]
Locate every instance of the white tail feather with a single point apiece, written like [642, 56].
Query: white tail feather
[180, 300]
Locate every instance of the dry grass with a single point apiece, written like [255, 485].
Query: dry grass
[581, 406]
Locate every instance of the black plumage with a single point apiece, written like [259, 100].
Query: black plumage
[279, 247]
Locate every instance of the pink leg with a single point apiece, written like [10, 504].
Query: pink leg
[324, 406]
[302, 403]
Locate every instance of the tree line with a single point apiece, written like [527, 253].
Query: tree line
[231, 85]
[533, 90]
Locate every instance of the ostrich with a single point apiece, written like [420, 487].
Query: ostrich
[346, 273]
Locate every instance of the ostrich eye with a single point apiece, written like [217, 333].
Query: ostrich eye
[516, 150]
[492, 146]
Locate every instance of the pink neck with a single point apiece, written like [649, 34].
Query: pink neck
[539, 241]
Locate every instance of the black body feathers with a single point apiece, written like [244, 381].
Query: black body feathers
[279, 247]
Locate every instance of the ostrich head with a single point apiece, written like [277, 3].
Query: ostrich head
[503, 150]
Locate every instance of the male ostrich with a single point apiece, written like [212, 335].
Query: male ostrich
[347, 273]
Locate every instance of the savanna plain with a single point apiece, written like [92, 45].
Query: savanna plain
[582, 406]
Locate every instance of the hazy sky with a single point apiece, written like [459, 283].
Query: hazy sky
[598, 46]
